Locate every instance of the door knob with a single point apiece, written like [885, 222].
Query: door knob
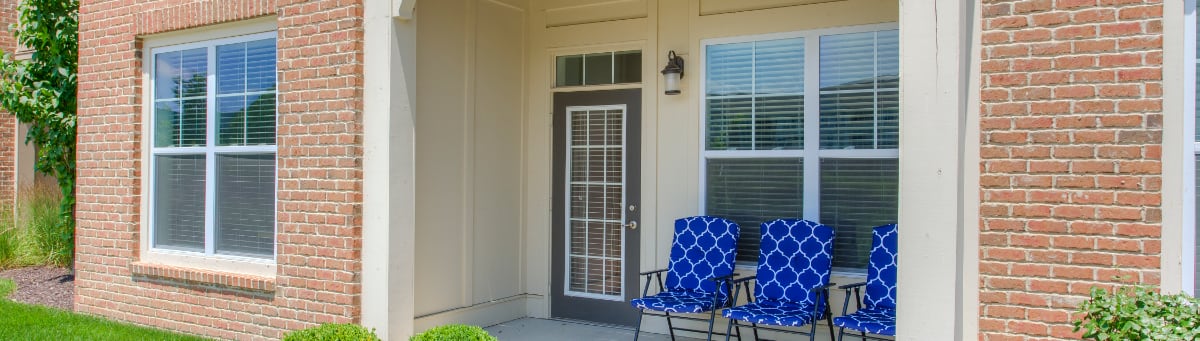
[632, 224]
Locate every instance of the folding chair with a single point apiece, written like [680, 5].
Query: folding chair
[876, 312]
[701, 265]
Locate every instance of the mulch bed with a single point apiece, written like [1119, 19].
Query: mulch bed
[42, 285]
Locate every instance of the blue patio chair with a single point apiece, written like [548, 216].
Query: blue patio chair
[791, 286]
[701, 265]
[877, 311]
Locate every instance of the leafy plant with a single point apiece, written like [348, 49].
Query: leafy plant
[41, 91]
[1139, 313]
[454, 332]
[333, 332]
[8, 245]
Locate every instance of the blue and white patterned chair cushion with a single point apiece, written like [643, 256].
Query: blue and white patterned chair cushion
[703, 248]
[794, 260]
[880, 321]
[771, 313]
[881, 276]
[676, 302]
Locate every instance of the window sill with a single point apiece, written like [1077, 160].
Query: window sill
[230, 280]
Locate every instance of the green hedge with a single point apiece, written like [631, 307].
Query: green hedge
[333, 332]
[1139, 313]
[454, 332]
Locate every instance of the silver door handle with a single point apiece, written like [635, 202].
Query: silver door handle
[632, 224]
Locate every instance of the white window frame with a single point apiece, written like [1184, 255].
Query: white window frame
[1189, 149]
[812, 117]
[207, 37]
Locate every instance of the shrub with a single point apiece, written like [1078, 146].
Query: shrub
[51, 234]
[8, 245]
[1139, 313]
[454, 332]
[333, 332]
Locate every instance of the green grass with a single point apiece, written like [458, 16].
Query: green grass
[37, 234]
[29, 322]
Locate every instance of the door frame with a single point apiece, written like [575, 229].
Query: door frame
[561, 304]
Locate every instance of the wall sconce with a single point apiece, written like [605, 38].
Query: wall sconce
[672, 73]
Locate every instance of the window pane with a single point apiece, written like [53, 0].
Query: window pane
[627, 67]
[246, 205]
[246, 67]
[569, 70]
[246, 120]
[181, 74]
[859, 90]
[598, 69]
[751, 191]
[729, 69]
[730, 125]
[779, 66]
[180, 123]
[179, 202]
[857, 195]
[772, 116]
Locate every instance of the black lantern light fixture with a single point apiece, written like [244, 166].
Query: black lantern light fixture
[672, 73]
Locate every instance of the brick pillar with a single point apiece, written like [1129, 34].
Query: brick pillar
[1071, 151]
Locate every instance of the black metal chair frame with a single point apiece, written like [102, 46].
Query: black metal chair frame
[823, 295]
[857, 289]
[657, 275]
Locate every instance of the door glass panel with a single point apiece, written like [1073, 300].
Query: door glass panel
[595, 197]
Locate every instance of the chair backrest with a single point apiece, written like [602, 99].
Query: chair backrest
[703, 248]
[881, 273]
[795, 257]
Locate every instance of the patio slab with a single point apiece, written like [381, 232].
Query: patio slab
[535, 329]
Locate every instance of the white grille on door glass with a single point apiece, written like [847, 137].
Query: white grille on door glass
[595, 196]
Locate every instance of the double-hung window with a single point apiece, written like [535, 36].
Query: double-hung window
[804, 125]
[212, 162]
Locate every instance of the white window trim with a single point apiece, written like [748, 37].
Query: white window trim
[812, 59]
[1189, 149]
[250, 30]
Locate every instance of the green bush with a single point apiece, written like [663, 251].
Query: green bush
[11, 247]
[1139, 313]
[333, 332]
[453, 332]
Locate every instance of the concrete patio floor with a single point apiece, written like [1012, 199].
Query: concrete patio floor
[534, 329]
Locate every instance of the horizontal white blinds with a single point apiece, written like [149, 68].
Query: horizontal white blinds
[755, 95]
[179, 202]
[181, 86]
[856, 195]
[754, 103]
[204, 200]
[246, 204]
[860, 90]
[751, 191]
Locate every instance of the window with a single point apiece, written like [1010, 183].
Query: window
[213, 156]
[1194, 248]
[777, 147]
[598, 68]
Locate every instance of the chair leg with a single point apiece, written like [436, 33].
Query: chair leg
[712, 317]
[729, 330]
[841, 333]
[738, 329]
[829, 321]
[754, 326]
[670, 328]
[637, 330]
[812, 331]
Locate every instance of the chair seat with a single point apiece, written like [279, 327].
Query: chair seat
[678, 301]
[772, 313]
[880, 321]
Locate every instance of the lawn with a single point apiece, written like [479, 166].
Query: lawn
[29, 322]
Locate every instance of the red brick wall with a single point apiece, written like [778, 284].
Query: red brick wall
[1071, 148]
[319, 174]
[8, 123]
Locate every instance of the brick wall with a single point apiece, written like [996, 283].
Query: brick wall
[1071, 148]
[319, 174]
[8, 123]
